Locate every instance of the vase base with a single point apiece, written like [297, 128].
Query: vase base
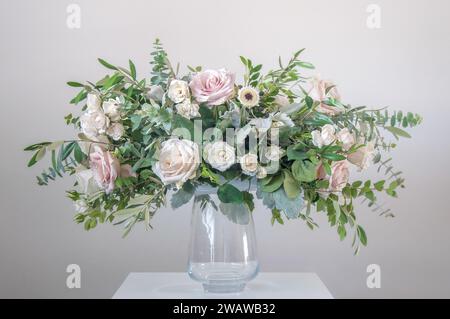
[223, 288]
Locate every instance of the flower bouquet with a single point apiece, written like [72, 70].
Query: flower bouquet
[286, 135]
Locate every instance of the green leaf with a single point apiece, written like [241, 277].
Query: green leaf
[182, 196]
[333, 156]
[182, 122]
[78, 153]
[379, 185]
[227, 193]
[248, 200]
[37, 157]
[107, 65]
[274, 183]
[75, 84]
[397, 132]
[304, 171]
[238, 213]
[294, 154]
[132, 69]
[362, 235]
[290, 207]
[291, 186]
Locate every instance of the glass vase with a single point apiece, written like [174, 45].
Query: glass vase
[222, 252]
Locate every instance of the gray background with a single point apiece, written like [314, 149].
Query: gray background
[405, 64]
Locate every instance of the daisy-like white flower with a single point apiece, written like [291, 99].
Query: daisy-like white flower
[248, 96]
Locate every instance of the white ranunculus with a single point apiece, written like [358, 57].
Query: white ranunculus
[178, 91]
[249, 164]
[274, 153]
[94, 123]
[248, 96]
[155, 93]
[220, 155]
[115, 131]
[325, 136]
[94, 102]
[80, 206]
[363, 156]
[112, 109]
[188, 109]
[261, 172]
[346, 138]
[178, 161]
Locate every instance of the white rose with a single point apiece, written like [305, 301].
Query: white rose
[115, 131]
[188, 109]
[325, 136]
[86, 183]
[94, 123]
[261, 172]
[80, 206]
[363, 156]
[220, 155]
[155, 93]
[249, 164]
[178, 161]
[178, 91]
[94, 102]
[112, 109]
[274, 153]
[346, 138]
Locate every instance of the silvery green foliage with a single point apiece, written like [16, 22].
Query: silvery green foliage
[279, 200]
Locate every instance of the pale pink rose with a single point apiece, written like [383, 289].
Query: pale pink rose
[105, 168]
[318, 92]
[346, 137]
[339, 175]
[213, 87]
[363, 155]
[320, 171]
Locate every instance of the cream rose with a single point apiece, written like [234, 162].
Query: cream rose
[363, 156]
[261, 172]
[112, 109]
[320, 90]
[346, 138]
[188, 109]
[105, 168]
[178, 161]
[339, 176]
[213, 87]
[220, 155]
[249, 164]
[94, 123]
[325, 136]
[178, 91]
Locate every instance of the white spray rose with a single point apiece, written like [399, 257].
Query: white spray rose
[155, 93]
[249, 164]
[115, 131]
[220, 155]
[188, 109]
[178, 161]
[346, 138]
[112, 109]
[363, 156]
[178, 91]
[274, 153]
[94, 123]
[325, 136]
[80, 206]
[94, 103]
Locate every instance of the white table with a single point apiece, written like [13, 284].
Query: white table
[268, 285]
